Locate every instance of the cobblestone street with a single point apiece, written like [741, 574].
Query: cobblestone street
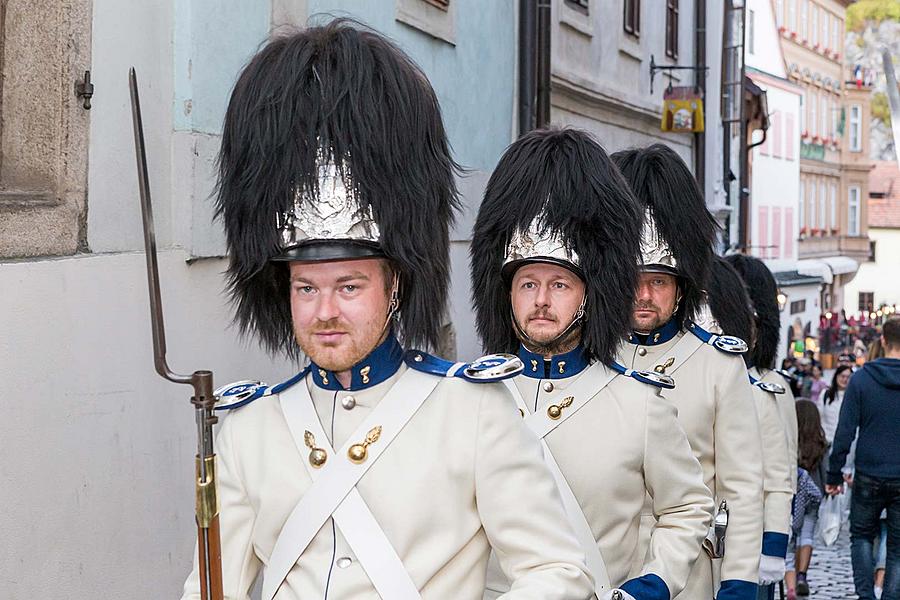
[830, 574]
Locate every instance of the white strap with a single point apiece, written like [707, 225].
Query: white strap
[684, 349]
[334, 494]
[583, 390]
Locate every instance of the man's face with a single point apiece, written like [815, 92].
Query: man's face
[654, 303]
[339, 310]
[545, 298]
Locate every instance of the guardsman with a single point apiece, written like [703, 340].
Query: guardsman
[731, 312]
[764, 294]
[713, 396]
[373, 472]
[553, 264]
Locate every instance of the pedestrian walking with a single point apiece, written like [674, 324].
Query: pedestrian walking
[872, 405]
[804, 511]
[818, 383]
[830, 400]
[812, 449]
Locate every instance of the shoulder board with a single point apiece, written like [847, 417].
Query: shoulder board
[772, 388]
[493, 367]
[240, 393]
[725, 343]
[784, 374]
[649, 377]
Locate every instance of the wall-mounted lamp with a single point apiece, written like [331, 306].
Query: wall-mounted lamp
[782, 300]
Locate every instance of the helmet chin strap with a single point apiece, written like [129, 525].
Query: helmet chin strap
[527, 340]
[394, 305]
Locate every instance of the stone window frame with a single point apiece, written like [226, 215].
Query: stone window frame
[433, 17]
[44, 49]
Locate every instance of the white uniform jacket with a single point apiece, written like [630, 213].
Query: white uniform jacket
[715, 407]
[777, 491]
[624, 444]
[441, 491]
[788, 411]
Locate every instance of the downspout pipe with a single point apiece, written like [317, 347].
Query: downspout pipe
[543, 64]
[527, 65]
[700, 83]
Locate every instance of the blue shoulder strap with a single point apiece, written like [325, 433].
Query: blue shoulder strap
[725, 343]
[649, 377]
[240, 393]
[493, 367]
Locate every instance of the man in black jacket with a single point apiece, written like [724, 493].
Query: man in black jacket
[872, 404]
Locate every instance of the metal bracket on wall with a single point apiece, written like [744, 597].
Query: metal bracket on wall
[654, 68]
[84, 89]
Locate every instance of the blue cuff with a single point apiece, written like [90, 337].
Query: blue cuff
[735, 589]
[647, 587]
[774, 544]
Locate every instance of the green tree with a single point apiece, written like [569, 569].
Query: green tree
[880, 108]
[871, 10]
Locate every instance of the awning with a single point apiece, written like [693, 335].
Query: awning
[827, 267]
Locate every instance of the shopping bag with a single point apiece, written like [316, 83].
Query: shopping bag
[830, 517]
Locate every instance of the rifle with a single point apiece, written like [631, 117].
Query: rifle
[209, 544]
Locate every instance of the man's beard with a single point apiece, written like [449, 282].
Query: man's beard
[556, 345]
[355, 346]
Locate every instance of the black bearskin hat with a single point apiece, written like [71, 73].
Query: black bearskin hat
[668, 191]
[729, 301]
[562, 182]
[334, 115]
[764, 294]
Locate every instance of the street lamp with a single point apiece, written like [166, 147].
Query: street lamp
[782, 300]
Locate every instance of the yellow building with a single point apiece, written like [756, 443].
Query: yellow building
[834, 144]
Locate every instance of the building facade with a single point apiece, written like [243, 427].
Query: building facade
[104, 447]
[833, 145]
[876, 287]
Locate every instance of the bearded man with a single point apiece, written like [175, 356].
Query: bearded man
[554, 256]
[373, 472]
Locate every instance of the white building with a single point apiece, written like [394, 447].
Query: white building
[877, 282]
[774, 222]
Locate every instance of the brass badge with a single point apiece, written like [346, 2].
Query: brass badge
[317, 456]
[554, 411]
[661, 369]
[562, 366]
[358, 453]
[324, 375]
[533, 365]
[365, 374]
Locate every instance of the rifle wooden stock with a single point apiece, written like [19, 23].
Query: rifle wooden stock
[209, 546]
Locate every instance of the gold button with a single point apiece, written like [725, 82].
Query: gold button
[548, 386]
[642, 351]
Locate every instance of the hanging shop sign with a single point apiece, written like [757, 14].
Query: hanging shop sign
[682, 110]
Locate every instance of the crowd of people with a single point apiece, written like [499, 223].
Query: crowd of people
[820, 415]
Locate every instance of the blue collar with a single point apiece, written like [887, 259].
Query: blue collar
[658, 336]
[378, 366]
[558, 367]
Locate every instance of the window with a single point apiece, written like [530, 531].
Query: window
[814, 28]
[856, 128]
[836, 35]
[813, 113]
[871, 257]
[825, 18]
[835, 119]
[823, 214]
[579, 5]
[792, 15]
[813, 222]
[779, 13]
[789, 233]
[751, 31]
[672, 29]
[804, 106]
[775, 132]
[789, 136]
[826, 110]
[763, 232]
[801, 207]
[632, 17]
[804, 29]
[834, 215]
[866, 301]
[798, 306]
[853, 210]
[775, 251]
